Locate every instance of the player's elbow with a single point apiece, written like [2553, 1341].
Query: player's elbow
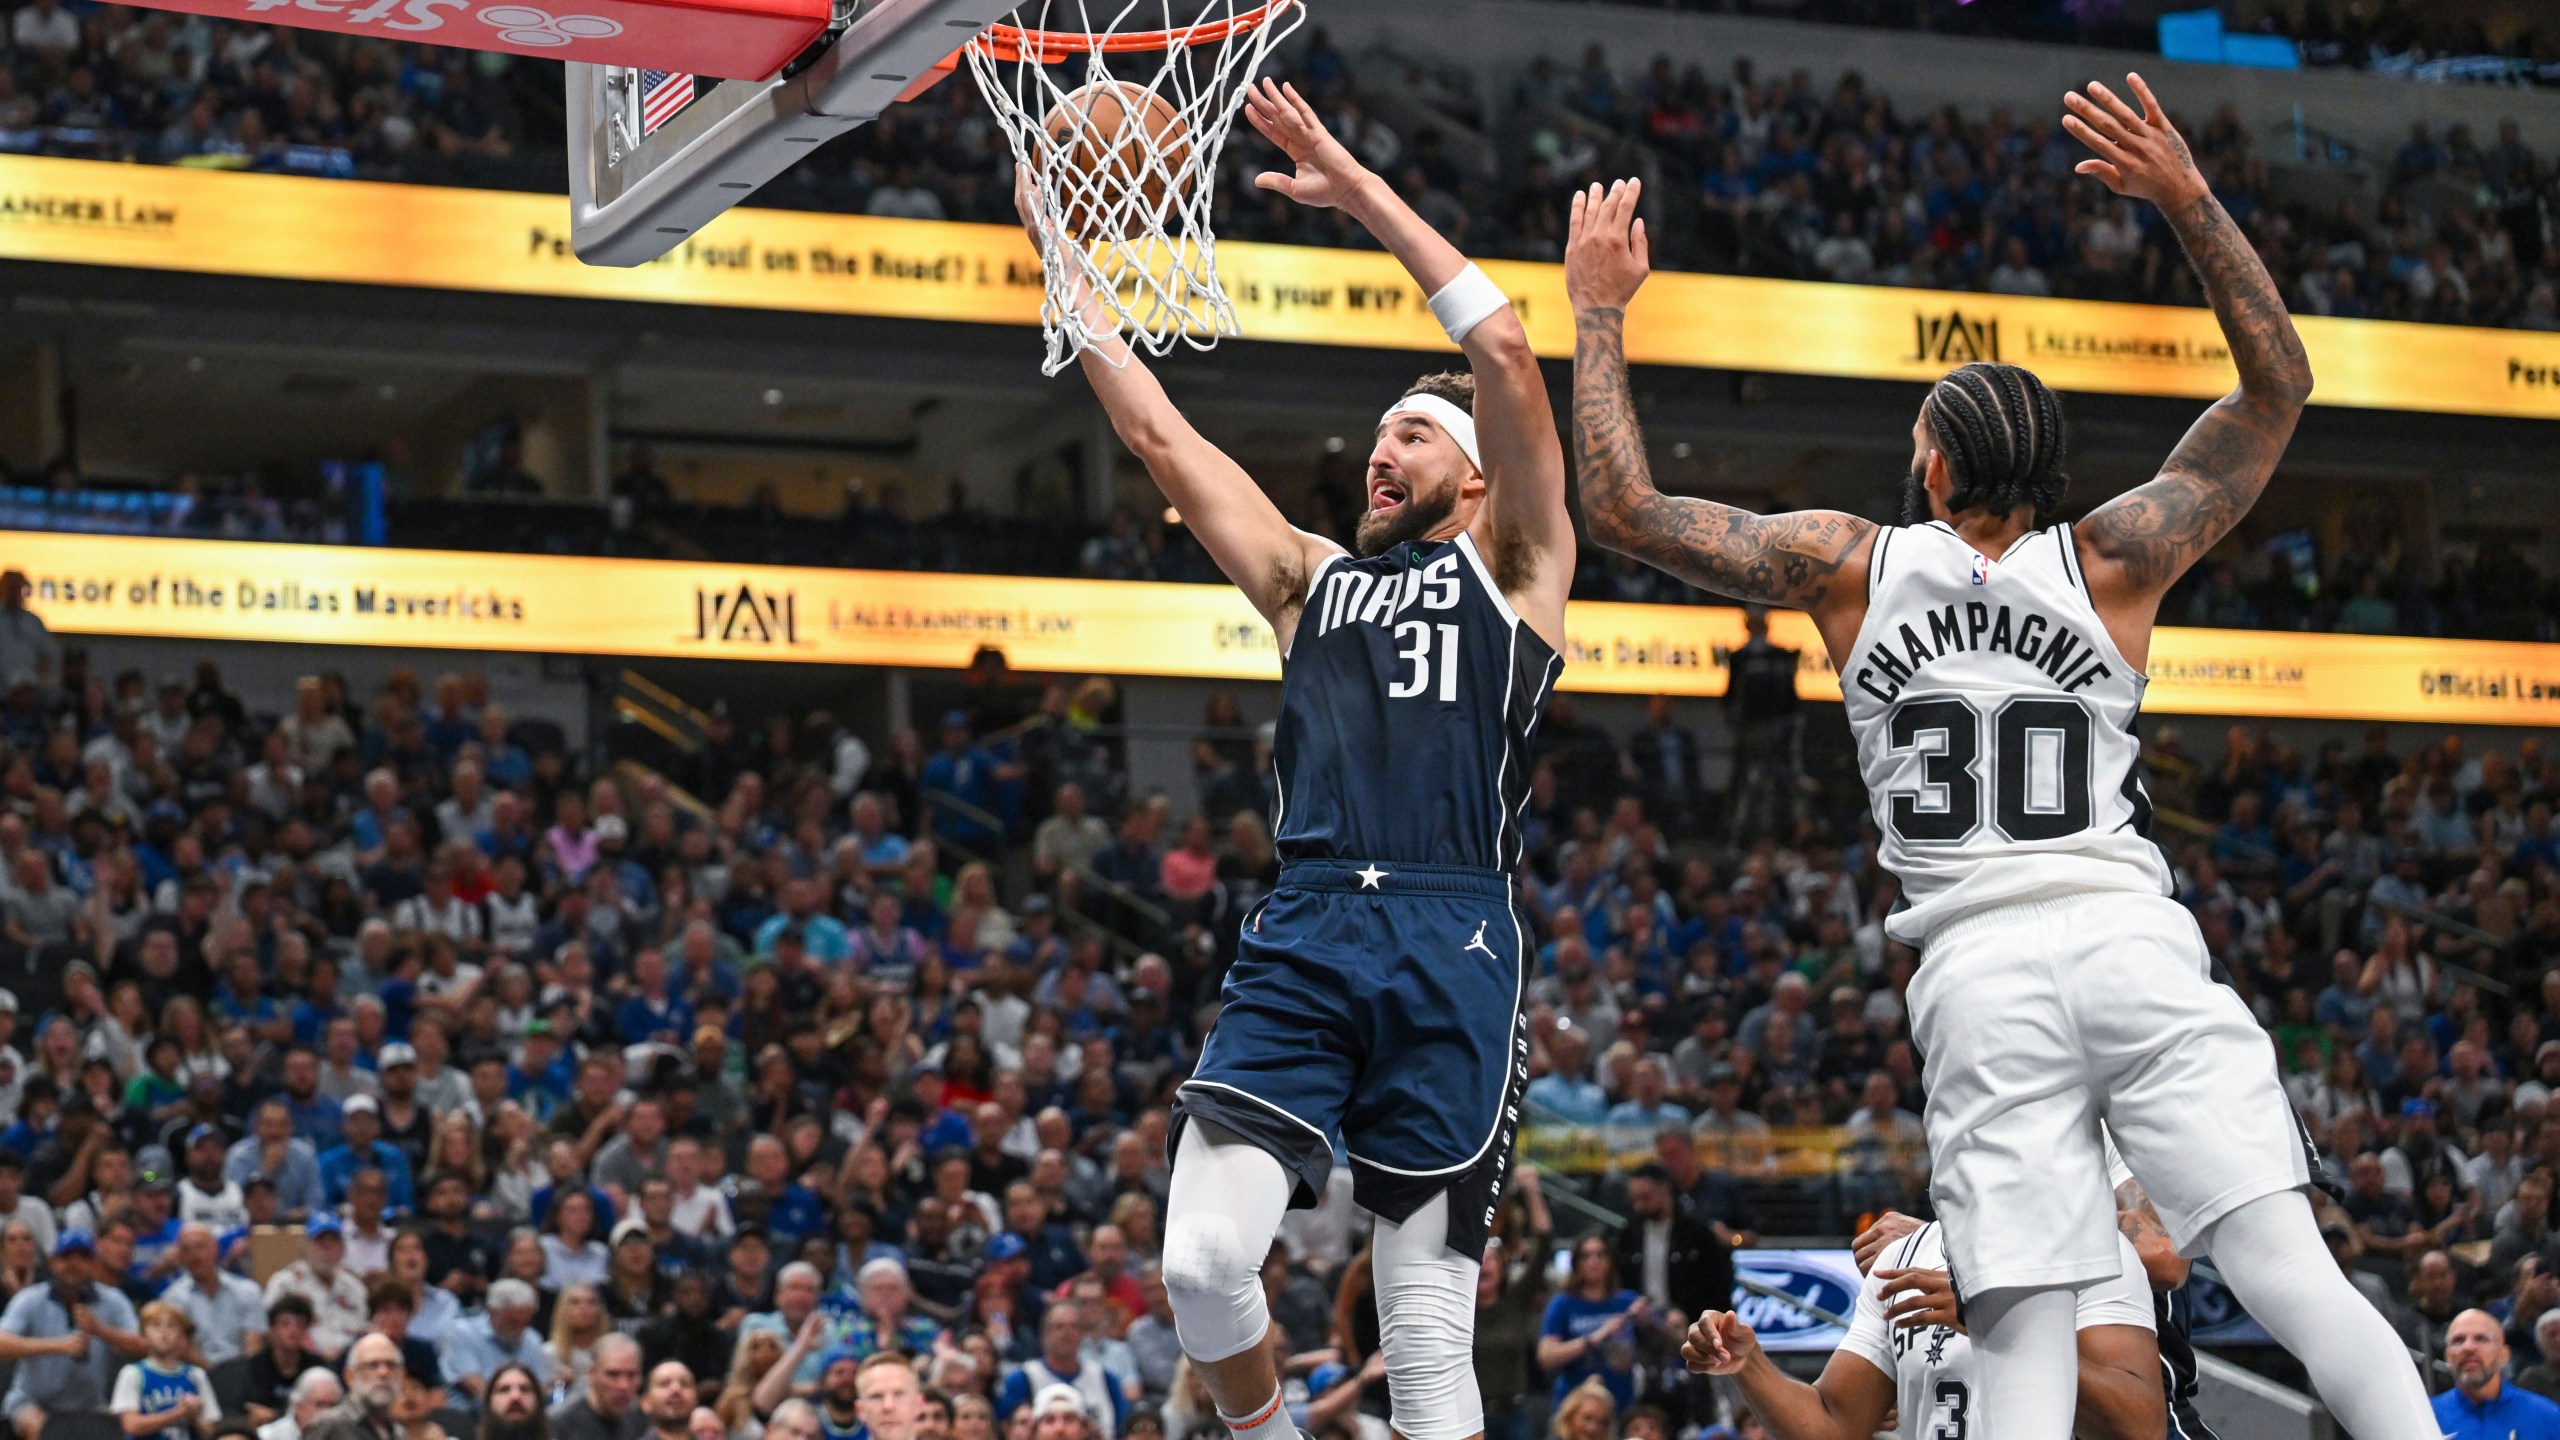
[1608, 529]
[1145, 436]
[2293, 386]
[2284, 385]
[2129, 1418]
[1500, 346]
[2125, 1407]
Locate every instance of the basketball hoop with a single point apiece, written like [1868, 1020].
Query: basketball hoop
[1123, 162]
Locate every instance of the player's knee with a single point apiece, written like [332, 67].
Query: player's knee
[1213, 1280]
[1432, 1387]
[1426, 1327]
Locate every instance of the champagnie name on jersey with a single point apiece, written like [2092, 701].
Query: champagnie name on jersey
[1979, 627]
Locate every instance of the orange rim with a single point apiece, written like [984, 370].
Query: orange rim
[1014, 44]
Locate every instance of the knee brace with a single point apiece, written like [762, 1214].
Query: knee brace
[1426, 1327]
[1213, 1279]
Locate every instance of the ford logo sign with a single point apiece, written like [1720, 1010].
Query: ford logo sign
[1814, 1284]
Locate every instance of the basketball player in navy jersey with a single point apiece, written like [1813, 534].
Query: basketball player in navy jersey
[1990, 665]
[1376, 994]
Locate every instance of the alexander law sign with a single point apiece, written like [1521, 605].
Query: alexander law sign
[356, 232]
[338, 595]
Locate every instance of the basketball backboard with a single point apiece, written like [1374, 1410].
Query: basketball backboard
[637, 189]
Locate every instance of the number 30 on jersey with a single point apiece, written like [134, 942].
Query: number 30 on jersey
[2038, 749]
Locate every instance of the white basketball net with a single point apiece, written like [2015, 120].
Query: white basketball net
[1146, 269]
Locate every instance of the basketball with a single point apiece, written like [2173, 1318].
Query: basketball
[1117, 138]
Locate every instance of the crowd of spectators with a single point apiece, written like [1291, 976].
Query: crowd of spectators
[1757, 173]
[2387, 37]
[392, 1026]
[1787, 175]
[112, 82]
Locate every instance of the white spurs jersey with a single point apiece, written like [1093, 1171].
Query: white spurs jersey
[1931, 1366]
[1995, 725]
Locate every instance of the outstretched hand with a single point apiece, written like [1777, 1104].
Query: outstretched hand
[1606, 256]
[1326, 172]
[2139, 153]
[1052, 239]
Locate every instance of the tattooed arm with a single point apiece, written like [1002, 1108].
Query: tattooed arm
[1814, 559]
[2140, 1223]
[2135, 546]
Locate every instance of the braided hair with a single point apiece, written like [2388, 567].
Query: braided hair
[2001, 430]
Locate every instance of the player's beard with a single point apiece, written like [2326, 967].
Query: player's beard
[1915, 497]
[1380, 532]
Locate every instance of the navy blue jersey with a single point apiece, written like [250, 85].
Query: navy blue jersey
[1407, 700]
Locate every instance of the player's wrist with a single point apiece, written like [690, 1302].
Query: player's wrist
[2183, 195]
[1467, 301]
[1361, 190]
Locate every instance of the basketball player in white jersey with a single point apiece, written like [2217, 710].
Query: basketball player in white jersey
[1907, 1355]
[1991, 664]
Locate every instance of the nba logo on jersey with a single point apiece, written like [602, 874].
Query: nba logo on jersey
[1981, 569]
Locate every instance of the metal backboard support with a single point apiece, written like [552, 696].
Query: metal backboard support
[633, 198]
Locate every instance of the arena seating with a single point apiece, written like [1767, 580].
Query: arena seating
[411, 866]
[1808, 176]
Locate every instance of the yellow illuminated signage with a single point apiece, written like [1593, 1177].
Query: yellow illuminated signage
[337, 595]
[285, 227]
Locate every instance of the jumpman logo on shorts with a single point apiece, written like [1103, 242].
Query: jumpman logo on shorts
[1478, 942]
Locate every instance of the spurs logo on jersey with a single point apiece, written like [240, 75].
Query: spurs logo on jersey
[1995, 728]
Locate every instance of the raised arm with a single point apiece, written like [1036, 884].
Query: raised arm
[1515, 420]
[1269, 559]
[2135, 546]
[1813, 559]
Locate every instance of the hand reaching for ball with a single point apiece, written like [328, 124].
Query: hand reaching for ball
[1051, 239]
[1326, 172]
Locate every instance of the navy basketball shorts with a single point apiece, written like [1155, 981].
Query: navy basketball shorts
[1379, 1003]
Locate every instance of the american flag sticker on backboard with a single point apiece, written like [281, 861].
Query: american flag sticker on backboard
[662, 94]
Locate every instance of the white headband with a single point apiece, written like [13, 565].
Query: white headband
[1460, 425]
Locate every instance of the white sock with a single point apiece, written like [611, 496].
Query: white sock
[2270, 1253]
[2026, 1348]
[1271, 1422]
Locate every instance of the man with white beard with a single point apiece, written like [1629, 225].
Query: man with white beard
[315, 1393]
[373, 1384]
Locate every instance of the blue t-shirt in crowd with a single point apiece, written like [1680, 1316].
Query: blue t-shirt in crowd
[1570, 1317]
[2516, 1414]
[796, 1213]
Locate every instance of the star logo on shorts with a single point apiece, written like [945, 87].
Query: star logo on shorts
[1370, 877]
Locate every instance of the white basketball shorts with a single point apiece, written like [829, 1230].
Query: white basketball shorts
[2035, 1021]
